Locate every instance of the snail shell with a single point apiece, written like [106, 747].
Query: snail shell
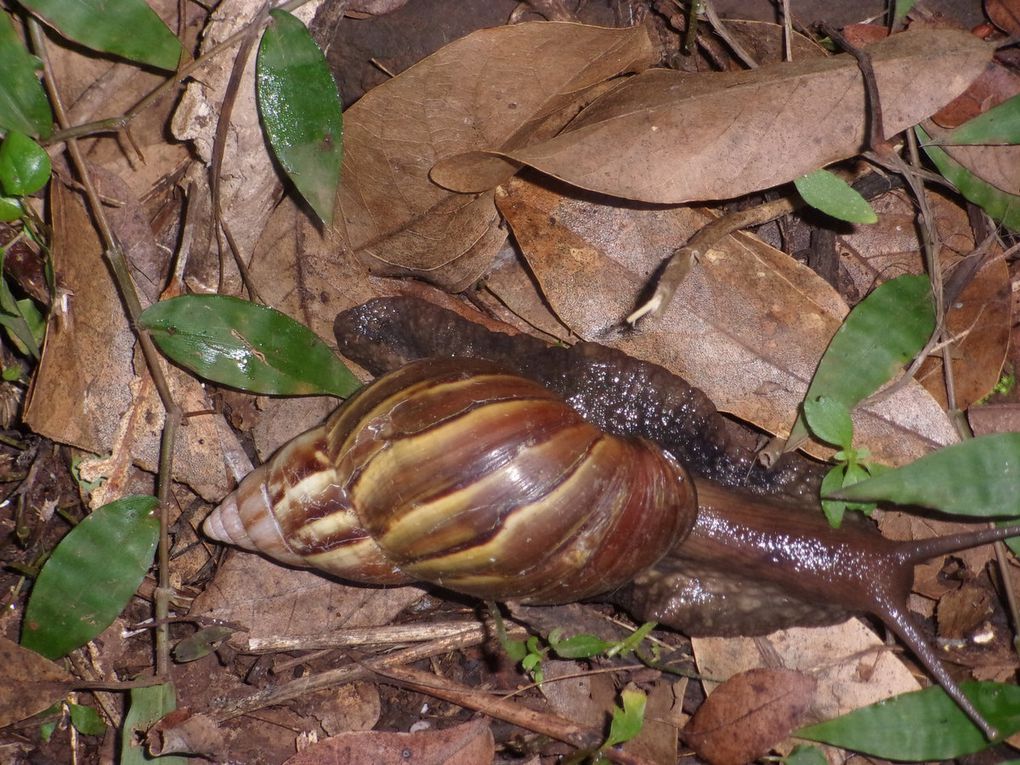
[458, 473]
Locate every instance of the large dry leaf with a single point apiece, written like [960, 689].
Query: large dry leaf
[30, 683]
[494, 87]
[747, 326]
[672, 137]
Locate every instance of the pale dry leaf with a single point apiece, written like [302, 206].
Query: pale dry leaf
[852, 666]
[747, 326]
[749, 714]
[672, 137]
[273, 601]
[493, 87]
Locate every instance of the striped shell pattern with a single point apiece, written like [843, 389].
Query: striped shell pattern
[457, 473]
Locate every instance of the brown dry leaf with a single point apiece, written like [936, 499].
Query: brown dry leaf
[994, 418]
[851, 664]
[273, 601]
[467, 744]
[995, 85]
[30, 683]
[492, 88]
[995, 165]
[749, 714]
[583, 697]
[657, 739]
[747, 326]
[671, 137]
[980, 316]
[83, 391]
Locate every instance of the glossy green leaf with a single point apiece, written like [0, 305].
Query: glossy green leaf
[86, 720]
[884, 331]
[90, 576]
[147, 706]
[627, 720]
[1001, 206]
[924, 725]
[10, 209]
[126, 28]
[247, 346]
[23, 102]
[999, 125]
[24, 165]
[979, 477]
[834, 196]
[300, 111]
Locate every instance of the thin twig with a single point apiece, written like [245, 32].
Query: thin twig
[129, 297]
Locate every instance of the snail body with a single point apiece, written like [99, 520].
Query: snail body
[506, 485]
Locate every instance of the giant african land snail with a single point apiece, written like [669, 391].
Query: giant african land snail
[478, 477]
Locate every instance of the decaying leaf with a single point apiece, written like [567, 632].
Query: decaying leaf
[30, 683]
[672, 137]
[749, 714]
[494, 87]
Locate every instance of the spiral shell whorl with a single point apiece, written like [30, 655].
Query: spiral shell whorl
[475, 480]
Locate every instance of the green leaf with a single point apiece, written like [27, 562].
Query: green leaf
[86, 720]
[24, 165]
[806, 755]
[580, 646]
[300, 111]
[881, 333]
[10, 209]
[627, 721]
[126, 28]
[834, 509]
[248, 346]
[148, 705]
[1000, 205]
[90, 576]
[201, 644]
[23, 103]
[1000, 125]
[834, 196]
[924, 725]
[829, 420]
[21, 319]
[978, 477]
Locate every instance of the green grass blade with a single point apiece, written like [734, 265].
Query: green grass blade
[883, 332]
[300, 111]
[90, 576]
[924, 725]
[1000, 205]
[979, 477]
[835, 197]
[23, 102]
[247, 346]
[126, 28]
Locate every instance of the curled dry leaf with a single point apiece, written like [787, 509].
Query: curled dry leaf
[467, 744]
[747, 326]
[749, 714]
[495, 87]
[672, 137]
